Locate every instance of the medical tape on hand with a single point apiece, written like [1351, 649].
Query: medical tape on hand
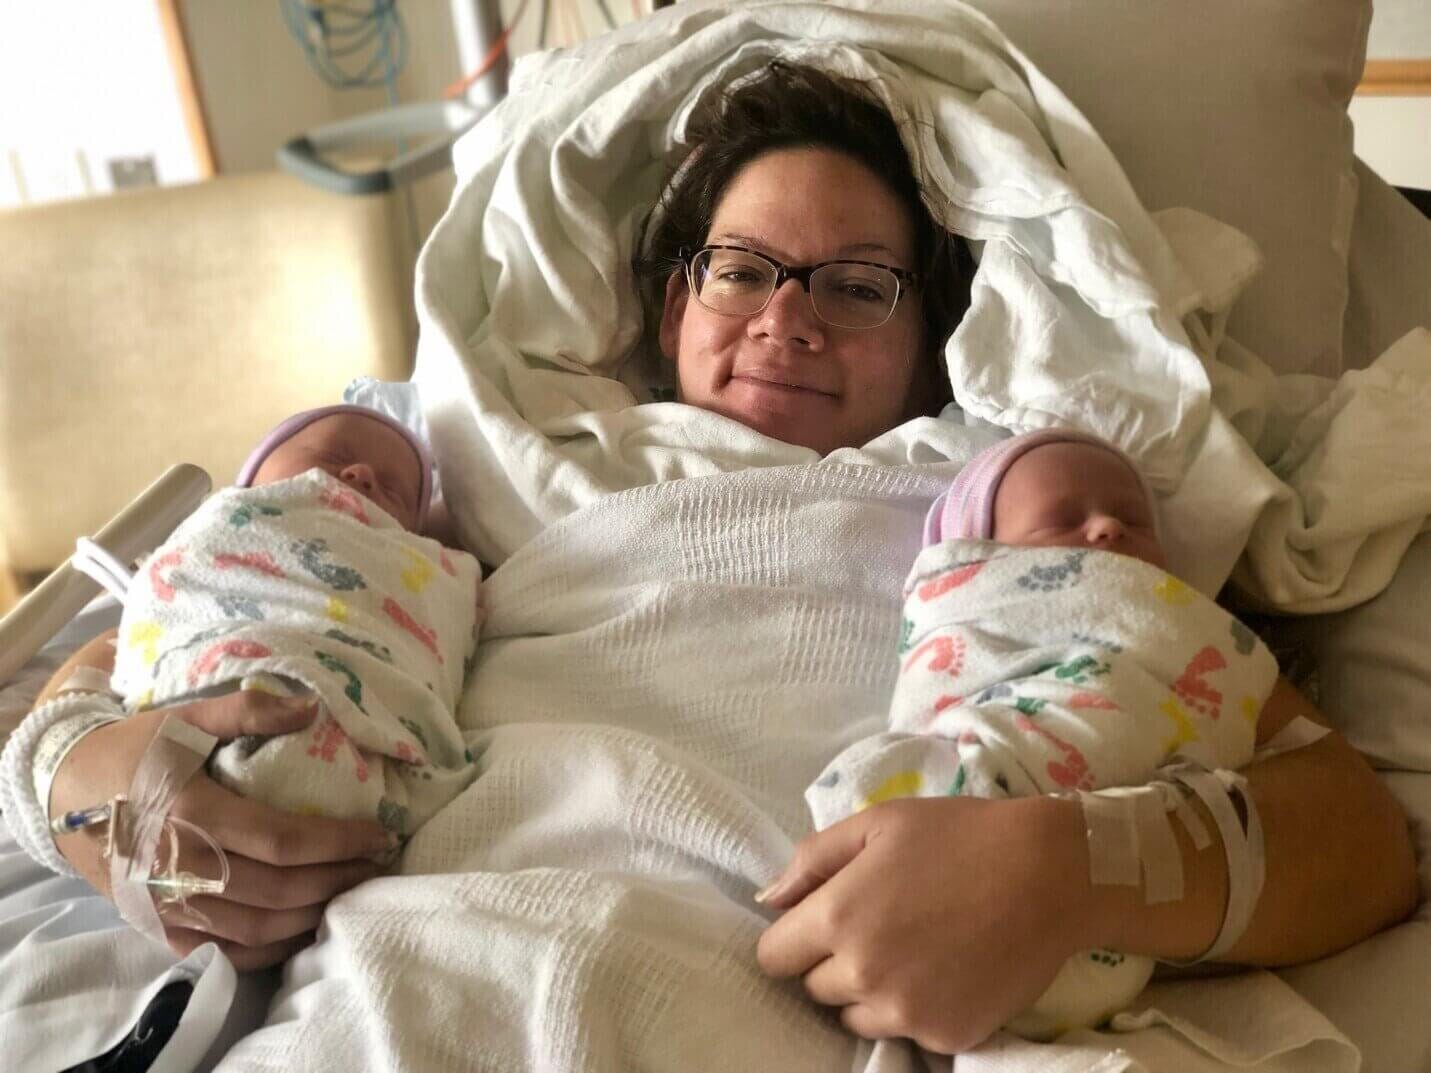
[1297, 734]
[177, 752]
[1131, 840]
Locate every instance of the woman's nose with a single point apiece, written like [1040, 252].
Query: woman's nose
[789, 317]
[360, 475]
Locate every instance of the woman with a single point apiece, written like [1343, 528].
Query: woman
[806, 294]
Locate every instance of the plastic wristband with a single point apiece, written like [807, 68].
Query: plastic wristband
[61, 738]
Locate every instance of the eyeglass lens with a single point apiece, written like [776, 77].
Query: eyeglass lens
[845, 294]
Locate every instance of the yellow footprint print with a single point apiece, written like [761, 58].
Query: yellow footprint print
[145, 636]
[337, 609]
[419, 571]
[904, 784]
[1172, 591]
[1184, 730]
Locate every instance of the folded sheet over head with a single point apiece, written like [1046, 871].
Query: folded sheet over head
[531, 358]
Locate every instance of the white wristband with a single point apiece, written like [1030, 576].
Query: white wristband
[56, 744]
[18, 801]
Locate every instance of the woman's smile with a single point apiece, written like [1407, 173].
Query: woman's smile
[766, 379]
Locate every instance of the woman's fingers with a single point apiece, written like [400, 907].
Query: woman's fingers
[247, 712]
[243, 924]
[266, 834]
[183, 941]
[817, 858]
[266, 886]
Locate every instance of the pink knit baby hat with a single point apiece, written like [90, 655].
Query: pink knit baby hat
[966, 510]
[288, 427]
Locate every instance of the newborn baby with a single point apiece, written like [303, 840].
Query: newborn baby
[311, 576]
[1044, 648]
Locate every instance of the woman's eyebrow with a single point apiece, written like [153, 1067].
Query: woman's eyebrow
[762, 245]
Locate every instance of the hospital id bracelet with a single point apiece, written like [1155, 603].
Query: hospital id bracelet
[59, 739]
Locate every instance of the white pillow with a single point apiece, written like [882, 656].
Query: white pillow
[1373, 666]
[1236, 108]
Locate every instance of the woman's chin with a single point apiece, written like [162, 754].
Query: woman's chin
[798, 417]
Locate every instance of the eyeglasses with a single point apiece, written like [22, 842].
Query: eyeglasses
[737, 282]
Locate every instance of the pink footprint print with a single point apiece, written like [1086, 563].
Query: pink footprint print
[344, 502]
[1194, 690]
[1071, 775]
[394, 611]
[162, 589]
[948, 654]
[932, 590]
[327, 736]
[260, 561]
[232, 649]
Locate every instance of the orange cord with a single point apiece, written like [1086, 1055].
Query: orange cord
[463, 84]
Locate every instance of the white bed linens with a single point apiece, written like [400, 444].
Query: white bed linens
[657, 686]
[660, 677]
[585, 904]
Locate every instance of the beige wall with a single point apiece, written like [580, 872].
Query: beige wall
[1393, 134]
[258, 90]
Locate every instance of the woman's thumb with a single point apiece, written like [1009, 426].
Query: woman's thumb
[250, 712]
[817, 858]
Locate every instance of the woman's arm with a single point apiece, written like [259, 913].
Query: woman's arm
[1340, 863]
[284, 867]
[98, 653]
[938, 919]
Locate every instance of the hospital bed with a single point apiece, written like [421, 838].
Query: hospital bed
[1334, 238]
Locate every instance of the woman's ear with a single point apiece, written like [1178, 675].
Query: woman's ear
[673, 313]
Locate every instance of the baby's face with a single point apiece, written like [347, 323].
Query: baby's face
[364, 454]
[1076, 495]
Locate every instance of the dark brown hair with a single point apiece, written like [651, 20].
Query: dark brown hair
[794, 107]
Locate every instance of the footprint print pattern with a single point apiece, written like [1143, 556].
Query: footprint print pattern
[311, 554]
[1064, 575]
[372, 648]
[245, 514]
[353, 690]
[1243, 639]
[240, 607]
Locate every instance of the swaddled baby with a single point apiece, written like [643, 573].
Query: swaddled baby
[1045, 648]
[311, 576]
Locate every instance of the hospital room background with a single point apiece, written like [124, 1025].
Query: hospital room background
[211, 213]
[184, 106]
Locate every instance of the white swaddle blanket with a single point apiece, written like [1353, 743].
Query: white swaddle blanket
[304, 585]
[1039, 670]
[1029, 671]
[669, 662]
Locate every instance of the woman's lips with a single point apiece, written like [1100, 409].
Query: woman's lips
[777, 382]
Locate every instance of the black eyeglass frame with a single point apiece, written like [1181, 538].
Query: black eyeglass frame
[904, 280]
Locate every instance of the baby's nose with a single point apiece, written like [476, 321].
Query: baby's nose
[1104, 529]
[359, 475]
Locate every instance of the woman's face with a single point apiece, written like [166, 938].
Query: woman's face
[783, 371]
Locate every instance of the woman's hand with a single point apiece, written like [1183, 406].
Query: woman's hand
[935, 919]
[284, 868]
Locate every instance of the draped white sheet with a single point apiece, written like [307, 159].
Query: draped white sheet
[663, 673]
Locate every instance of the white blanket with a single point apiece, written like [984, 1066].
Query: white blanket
[660, 676]
[668, 664]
